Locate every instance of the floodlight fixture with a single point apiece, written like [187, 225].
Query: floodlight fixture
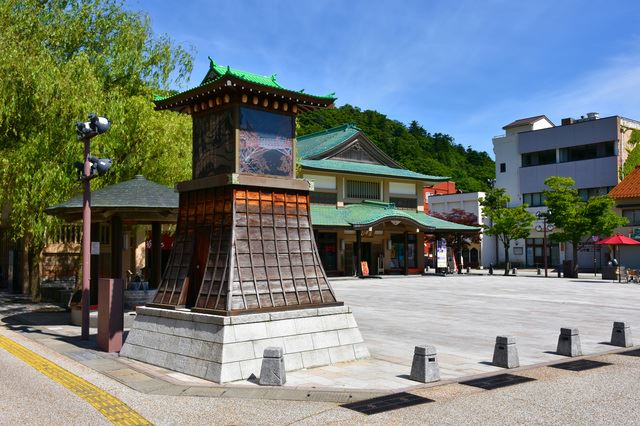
[99, 166]
[94, 127]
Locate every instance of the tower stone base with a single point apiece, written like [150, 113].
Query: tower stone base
[228, 348]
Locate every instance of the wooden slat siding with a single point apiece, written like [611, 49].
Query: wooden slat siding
[277, 234]
[275, 251]
[172, 282]
[264, 252]
[250, 214]
[302, 252]
[219, 228]
[235, 246]
[288, 244]
[299, 244]
[315, 277]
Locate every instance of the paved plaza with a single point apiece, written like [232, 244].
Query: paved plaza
[462, 314]
[459, 314]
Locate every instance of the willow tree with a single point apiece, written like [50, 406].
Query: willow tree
[60, 61]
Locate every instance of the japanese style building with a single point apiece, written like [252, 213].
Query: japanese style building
[365, 207]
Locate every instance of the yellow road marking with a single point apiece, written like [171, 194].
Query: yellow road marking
[109, 406]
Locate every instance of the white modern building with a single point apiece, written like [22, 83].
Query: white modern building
[591, 150]
[478, 254]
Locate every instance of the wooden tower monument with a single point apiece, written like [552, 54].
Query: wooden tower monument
[244, 244]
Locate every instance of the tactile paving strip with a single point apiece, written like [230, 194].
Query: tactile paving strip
[386, 403]
[109, 406]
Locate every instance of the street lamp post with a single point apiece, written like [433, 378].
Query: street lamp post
[91, 168]
[544, 216]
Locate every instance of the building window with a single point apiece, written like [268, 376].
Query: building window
[404, 203]
[587, 152]
[539, 158]
[323, 197]
[534, 199]
[586, 193]
[363, 189]
[633, 216]
[503, 167]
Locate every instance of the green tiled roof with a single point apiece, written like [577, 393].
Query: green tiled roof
[317, 143]
[137, 193]
[368, 169]
[217, 72]
[369, 213]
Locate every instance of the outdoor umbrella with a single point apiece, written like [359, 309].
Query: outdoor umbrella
[618, 240]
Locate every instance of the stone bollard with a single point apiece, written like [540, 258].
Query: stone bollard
[621, 335]
[505, 353]
[424, 368]
[272, 372]
[569, 342]
[514, 271]
[491, 269]
[539, 271]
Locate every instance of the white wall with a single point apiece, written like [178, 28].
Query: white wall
[469, 202]
[506, 151]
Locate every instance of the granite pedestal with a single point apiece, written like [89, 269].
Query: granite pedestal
[228, 348]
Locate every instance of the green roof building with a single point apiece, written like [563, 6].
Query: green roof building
[365, 207]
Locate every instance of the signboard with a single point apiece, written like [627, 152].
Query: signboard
[441, 254]
[364, 266]
[95, 248]
[266, 143]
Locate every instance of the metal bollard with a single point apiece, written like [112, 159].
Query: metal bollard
[621, 335]
[505, 352]
[514, 271]
[569, 342]
[539, 271]
[424, 368]
[273, 372]
[491, 269]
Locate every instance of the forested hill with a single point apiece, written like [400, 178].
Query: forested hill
[412, 146]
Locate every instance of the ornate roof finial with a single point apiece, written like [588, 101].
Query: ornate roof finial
[211, 62]
[301, 90]
[273, 77]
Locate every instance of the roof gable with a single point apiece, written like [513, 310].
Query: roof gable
[346, 143]
[527, 121]
[629, 187]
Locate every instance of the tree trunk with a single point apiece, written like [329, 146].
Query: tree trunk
[24, 265]
[507, 265]
[35, 257]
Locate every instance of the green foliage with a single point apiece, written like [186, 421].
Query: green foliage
[507, 223]
[575, 219]
[633, 156]
[412, 146]
[60, 61]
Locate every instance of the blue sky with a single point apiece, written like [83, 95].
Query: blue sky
[465, 68]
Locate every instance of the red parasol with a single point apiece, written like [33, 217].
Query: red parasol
[618, 240]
